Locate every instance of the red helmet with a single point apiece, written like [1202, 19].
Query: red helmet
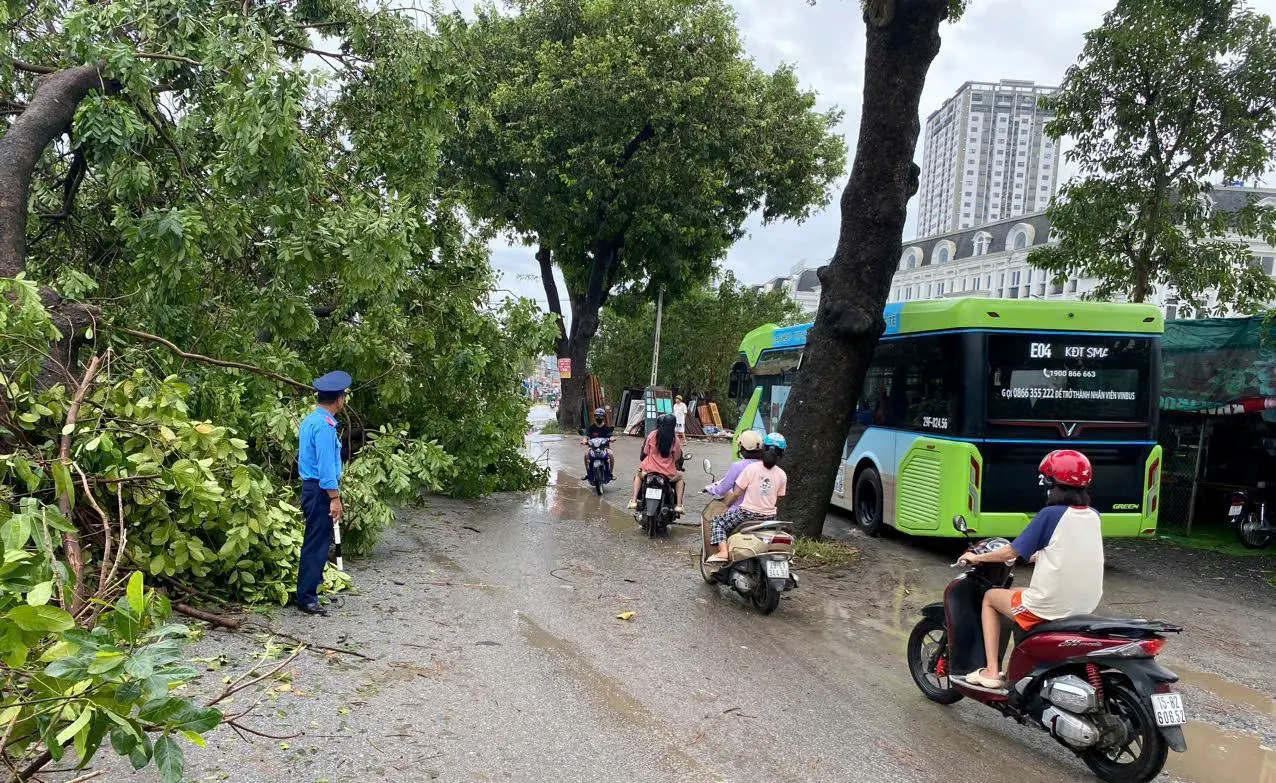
[1067, 467]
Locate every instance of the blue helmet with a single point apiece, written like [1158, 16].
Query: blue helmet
[775, 441]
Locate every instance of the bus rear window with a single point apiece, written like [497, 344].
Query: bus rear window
[1068, 378]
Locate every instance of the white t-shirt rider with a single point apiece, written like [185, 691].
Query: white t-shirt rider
[1068, 576]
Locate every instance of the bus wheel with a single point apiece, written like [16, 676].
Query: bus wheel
[868, 502]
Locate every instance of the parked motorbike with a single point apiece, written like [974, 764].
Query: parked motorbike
[1249, 514]
[760, 557]
[1092, 683]
[659, 499]
[599, 464]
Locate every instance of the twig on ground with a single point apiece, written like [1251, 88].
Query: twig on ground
[556, 576]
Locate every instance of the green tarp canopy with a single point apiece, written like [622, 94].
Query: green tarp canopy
[1219, 366]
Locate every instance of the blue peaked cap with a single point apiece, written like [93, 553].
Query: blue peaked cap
[334, 382]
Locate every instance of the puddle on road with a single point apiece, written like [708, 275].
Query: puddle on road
[1226, 689]
[583, 504]
[1214, 756]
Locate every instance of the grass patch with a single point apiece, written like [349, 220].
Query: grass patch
[822, 553]
[552, 427]
[1218, 540]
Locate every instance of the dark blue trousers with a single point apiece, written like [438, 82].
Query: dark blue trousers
[314, 548]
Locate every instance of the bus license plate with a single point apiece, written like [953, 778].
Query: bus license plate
[655, 493]
[1235, 511]
[1169, 709]
[777, 569]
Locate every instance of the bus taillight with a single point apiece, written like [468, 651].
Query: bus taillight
[1153, 469]
[974, 472]
[1153, 495]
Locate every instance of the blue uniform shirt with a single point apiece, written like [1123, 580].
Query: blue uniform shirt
[319, 458]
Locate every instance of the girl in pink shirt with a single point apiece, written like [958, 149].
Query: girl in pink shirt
[761, 485]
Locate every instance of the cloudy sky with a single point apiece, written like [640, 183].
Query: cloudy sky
[997, 39]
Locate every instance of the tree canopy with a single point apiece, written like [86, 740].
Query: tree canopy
[1167, 97]
[699, 337]
[629, 141]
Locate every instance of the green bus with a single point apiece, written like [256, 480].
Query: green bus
[964, 397]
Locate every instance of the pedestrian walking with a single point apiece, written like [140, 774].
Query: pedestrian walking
[319, 463]
[680, 419]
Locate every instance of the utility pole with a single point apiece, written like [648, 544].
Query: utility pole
[655, 352]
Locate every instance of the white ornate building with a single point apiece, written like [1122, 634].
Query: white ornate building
[992, 260]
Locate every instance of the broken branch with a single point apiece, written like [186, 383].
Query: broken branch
[196, 357]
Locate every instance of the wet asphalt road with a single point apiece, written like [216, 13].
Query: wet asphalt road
[497, 656]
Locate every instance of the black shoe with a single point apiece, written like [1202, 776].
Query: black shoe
[314, 608]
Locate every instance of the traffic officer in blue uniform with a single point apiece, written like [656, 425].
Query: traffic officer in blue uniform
[319, 463]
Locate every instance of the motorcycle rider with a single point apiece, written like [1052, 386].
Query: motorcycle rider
[1065, 542]
[599, 429]
[750, 451]
[660, 454]
[758, 488]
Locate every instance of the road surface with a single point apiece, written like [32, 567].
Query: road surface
[498, 656]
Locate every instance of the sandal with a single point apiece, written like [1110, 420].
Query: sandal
[716, 559]
[977, 677]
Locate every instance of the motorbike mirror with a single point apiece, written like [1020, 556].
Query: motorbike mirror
[959, 523]
[582, 431]
[707, 465]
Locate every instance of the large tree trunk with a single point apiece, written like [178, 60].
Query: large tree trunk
[586, 307]
[903, 39]
[47, 116]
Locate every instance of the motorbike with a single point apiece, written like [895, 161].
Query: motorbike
[599, 464]
[1091, 682]
[656, 510]
[1249, 514]
[760, 557]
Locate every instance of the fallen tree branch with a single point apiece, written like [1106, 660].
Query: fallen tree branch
[196, 357]
[242, 683]
[71, 540]
[208, 617]
[291, 638]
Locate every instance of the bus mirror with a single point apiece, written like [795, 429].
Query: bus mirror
[959, 523]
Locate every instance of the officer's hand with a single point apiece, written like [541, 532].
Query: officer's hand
[335, 509]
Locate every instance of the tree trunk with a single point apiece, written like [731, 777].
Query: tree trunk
[46, 117]
[854, 286]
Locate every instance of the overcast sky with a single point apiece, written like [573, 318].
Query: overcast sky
[997, 39]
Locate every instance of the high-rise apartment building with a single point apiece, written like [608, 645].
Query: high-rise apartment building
[987, 157]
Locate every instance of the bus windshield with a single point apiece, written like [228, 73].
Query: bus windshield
[1036, 377]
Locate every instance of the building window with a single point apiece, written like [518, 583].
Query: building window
[928, 290]
[1171, 308]
[1267, 262]
[941, 256]
[982, 241]
[988, 283]
[1072, 286]
[1056, 289]
[1021, 241]
[1014, 279]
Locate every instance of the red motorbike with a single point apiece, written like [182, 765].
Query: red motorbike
[1092, 683]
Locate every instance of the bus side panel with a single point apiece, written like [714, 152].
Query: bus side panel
[875, 446]
[936, 483]
[1151, 494]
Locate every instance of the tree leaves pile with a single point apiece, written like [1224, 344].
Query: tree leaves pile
[238, 201]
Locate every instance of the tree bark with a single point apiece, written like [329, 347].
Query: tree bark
[586, 307]
[856, 283]
[47, 116]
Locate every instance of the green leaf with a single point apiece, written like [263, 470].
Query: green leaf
[74, 728]
[40, 594]
[75, 668]
[122, 742]
[129, 692]
[135, 593]
[40, 618]
[170, 759]
[106, 661]
[62, 482]
[141, 755]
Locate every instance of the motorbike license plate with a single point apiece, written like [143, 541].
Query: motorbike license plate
[1169, 709]
[777, 569]
[655, 493]
[1235, 511]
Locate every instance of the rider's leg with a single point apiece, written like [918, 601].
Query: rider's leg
[633, 500]
[611, 462]
[681, 486]
[996, 605]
